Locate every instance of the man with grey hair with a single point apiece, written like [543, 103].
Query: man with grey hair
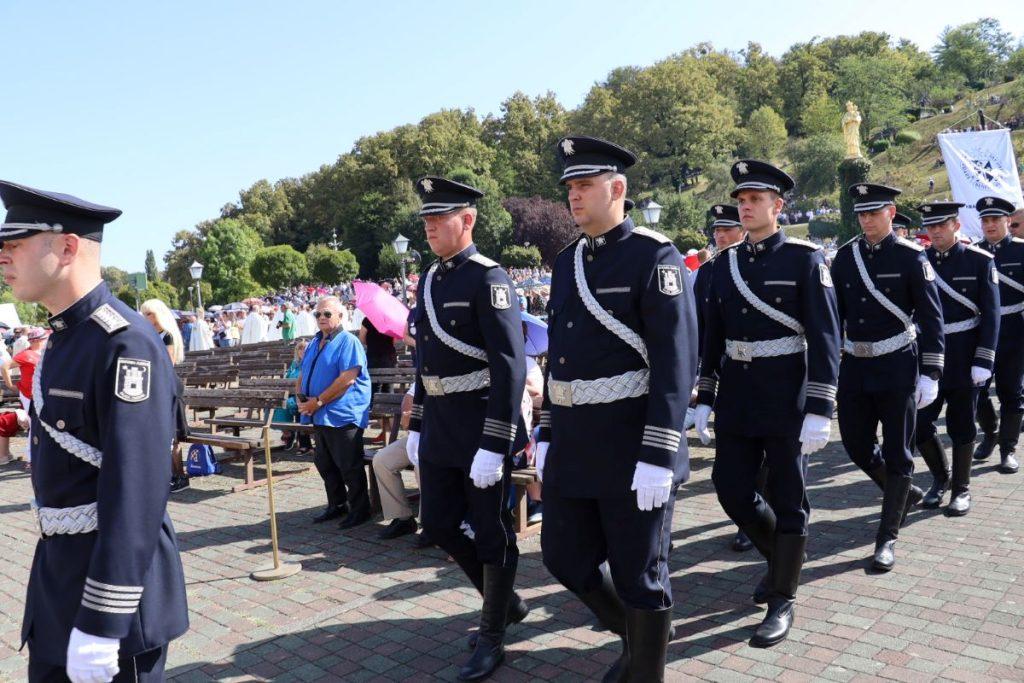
[333, 392]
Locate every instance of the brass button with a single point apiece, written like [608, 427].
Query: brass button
[569, 324]
[751, 259]
[438, 278]
[561, 361]
[863, 298]
[860, 320]
[61, 424]
[746, 367]
[743, 310]
[35, 440]
[778, 299]
[426, 369]
[49, 344]
[426, 337]
[887, 289]
[590, 257]
[453, 322]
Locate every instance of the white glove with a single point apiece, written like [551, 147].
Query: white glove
[814, 434]
[700, 420]
[91, 659]
[652, 484]
[487, 468]
[926, 392]
[979, 375]
[539, 457]
[412, 448]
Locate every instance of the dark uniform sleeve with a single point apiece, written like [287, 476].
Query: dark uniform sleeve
[416, 414]
[135, 438]
[502, 329]
[544, 414]
[927, 316]
[712, 347]
[988, 303]
[670, 332]
[821, 328]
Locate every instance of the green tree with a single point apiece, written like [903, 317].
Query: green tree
[973, 51]
[690, 239]
[28, 313]
[226, 254]
[803, 73]
[680, 212]
[184, 251]
[765, 135]
[877, 84]
[156, 289]
[278, 267]
[759, 83]
[524, 138]
[152, 274]
[114, 277]
[820, 115]
[816, 161]
[331, 267]
[516, 256]
[389, 263]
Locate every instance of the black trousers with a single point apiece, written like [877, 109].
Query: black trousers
[960, 407]
[738, 461]
[859, 415]
[339, 460]
[579, 534]
[147, 667]
[448, 497]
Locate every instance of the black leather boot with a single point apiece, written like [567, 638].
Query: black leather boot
[787, 561]
[489, 652]
[604, 602]
[934, 456]
[960, 498]
[894, 502]
[647, 632]
[1009, 434]
[988, 422]
[762, 534]
[914, 495]
[740, 542]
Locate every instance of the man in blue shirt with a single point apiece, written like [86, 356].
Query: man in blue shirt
[333, 393]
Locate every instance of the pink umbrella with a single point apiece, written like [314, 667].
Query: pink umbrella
[387, 313]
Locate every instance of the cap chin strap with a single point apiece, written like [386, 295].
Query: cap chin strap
[13, 229]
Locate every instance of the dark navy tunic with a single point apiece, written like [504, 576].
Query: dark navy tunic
[105, 380]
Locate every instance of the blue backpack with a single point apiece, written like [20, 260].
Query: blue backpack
[200, 462]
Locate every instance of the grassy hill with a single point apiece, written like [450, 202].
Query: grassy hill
[910, 166]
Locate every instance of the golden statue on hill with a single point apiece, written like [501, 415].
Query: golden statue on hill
[851, 131]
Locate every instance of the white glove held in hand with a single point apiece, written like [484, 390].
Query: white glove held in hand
[701, 414]
[814, 433]
[412, 448]
[652, 484]
[979, 375]
[487, 468]
[91, 659]
[539, 457]
[927, 391]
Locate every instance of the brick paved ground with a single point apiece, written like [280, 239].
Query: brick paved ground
[366, 610]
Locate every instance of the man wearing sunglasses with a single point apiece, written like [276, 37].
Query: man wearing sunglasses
[333, 392]
[466, 416]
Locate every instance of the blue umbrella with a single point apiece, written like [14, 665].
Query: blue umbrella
[536, 334]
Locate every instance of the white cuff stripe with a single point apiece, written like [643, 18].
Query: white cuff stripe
[112, 587]
[651, 429]
[111, 602]
[109, 610]
[662, 446]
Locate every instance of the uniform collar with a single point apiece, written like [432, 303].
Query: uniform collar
[81, 309]
[765, 246]
[886, 241]
[941, 256]
[998, 245]
[616, 234]
[457, 260]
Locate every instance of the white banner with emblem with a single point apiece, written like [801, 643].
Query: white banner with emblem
[979, 164]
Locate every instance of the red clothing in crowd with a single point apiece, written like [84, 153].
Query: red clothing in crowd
[27, 361]
[9, 424]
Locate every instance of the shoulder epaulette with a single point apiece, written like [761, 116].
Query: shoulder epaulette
[651, 234]
[910, 245]
[846, 244]
[802, 243]
[110, 320]
[979, 250]
[570, 245]
[483, 260]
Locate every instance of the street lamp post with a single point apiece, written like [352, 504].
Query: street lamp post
[652, 212]
[334, 239]
[196, 269]
[191, 299]
[401, 245]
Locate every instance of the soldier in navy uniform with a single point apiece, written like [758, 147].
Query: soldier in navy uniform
[969, 291]
[622, 358]
[106, 592]
[768, 369]
[727, 230]
[902, 225]
[1009, 359]
[466, 422]
[893, 354]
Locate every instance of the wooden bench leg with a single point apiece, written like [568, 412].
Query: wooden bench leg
[519, 514]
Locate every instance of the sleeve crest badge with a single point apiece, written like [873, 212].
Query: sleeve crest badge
[133, 379]
[501, 297]
[670, 280]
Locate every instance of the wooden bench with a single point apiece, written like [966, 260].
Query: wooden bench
[520, 480]
[236, 445]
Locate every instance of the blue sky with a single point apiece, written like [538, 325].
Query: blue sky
[166, 110]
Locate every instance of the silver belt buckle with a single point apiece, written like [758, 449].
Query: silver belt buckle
[863, 349]
[432, 385]
[743, 351]
[39, 521]
[560, 393]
